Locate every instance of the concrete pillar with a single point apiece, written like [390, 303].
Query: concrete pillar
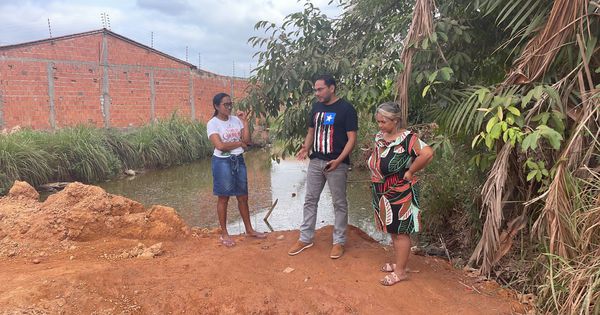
[1, 111]
[191, 88]
[152, 97]
[50, 73]
[105, 97]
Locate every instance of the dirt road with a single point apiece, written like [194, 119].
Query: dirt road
[84, 251]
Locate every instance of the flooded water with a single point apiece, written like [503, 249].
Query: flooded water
[188, 189]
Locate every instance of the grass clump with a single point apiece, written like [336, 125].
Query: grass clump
[117, 142]
[20, 157]
[80, 153]
[170, 142]
[89, 154]
[572, 285]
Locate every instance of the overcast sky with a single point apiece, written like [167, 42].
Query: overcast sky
[215, 31]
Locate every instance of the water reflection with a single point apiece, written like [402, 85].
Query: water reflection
[188, 189]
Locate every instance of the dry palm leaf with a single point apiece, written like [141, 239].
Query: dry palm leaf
[558, 209]
[541, 50]
[492, 193]
[508, 235]
[538, 55]
[420, 28]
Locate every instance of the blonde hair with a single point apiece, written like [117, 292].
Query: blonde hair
[391, 111]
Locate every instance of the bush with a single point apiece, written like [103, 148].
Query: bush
[367, 128]
[572, 285]
[170, 142]
[118, 143]
[21, 158]
[450, 194]
[80, 153]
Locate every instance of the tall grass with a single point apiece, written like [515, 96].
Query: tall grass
[21, 158]
[572, 286]
[80, 153]
[170, 142]
[117, 142]
[90, 154]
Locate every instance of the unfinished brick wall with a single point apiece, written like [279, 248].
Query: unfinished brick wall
[103, 79]
[206, 85]
[29, 89]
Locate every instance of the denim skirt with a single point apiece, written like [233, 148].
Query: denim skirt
[229, 176]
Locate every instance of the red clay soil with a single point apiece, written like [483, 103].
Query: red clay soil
[84, 251]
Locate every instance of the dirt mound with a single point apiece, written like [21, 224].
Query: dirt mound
[78, 197]
[22, 190]
[80, 213]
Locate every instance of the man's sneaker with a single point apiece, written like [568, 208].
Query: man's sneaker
[336, 251]
[298, 247]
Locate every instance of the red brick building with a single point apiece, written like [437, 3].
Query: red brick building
[104, 79]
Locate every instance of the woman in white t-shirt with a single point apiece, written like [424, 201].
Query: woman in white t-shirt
[230, 136]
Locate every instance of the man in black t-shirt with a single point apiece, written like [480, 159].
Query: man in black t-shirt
[331, 137]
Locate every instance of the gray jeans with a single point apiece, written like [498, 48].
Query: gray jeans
[315, 181]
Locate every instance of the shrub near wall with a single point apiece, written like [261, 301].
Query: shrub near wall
[20, 158]
[89, 154]
[170, 142]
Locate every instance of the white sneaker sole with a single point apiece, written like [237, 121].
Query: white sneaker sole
[336, 257]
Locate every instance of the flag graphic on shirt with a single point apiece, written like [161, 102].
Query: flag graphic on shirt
[323, 141]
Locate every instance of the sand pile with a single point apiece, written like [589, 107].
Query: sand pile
[80, 213]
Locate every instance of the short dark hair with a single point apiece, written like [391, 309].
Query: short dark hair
[328, 79]
[217, 101]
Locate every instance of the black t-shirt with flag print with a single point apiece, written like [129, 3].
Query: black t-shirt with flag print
[331, 123]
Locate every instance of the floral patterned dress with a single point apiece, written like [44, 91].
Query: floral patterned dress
[395, 200]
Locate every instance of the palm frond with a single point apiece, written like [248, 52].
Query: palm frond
[461, 114]
[558, 209]
[541, 50]
[420, 28]
[492, 193]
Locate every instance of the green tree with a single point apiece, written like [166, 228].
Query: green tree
[517, 79]
[356, 49]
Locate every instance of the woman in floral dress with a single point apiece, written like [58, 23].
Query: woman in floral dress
[397, 155]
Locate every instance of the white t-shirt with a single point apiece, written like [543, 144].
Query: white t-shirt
[229, 131]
